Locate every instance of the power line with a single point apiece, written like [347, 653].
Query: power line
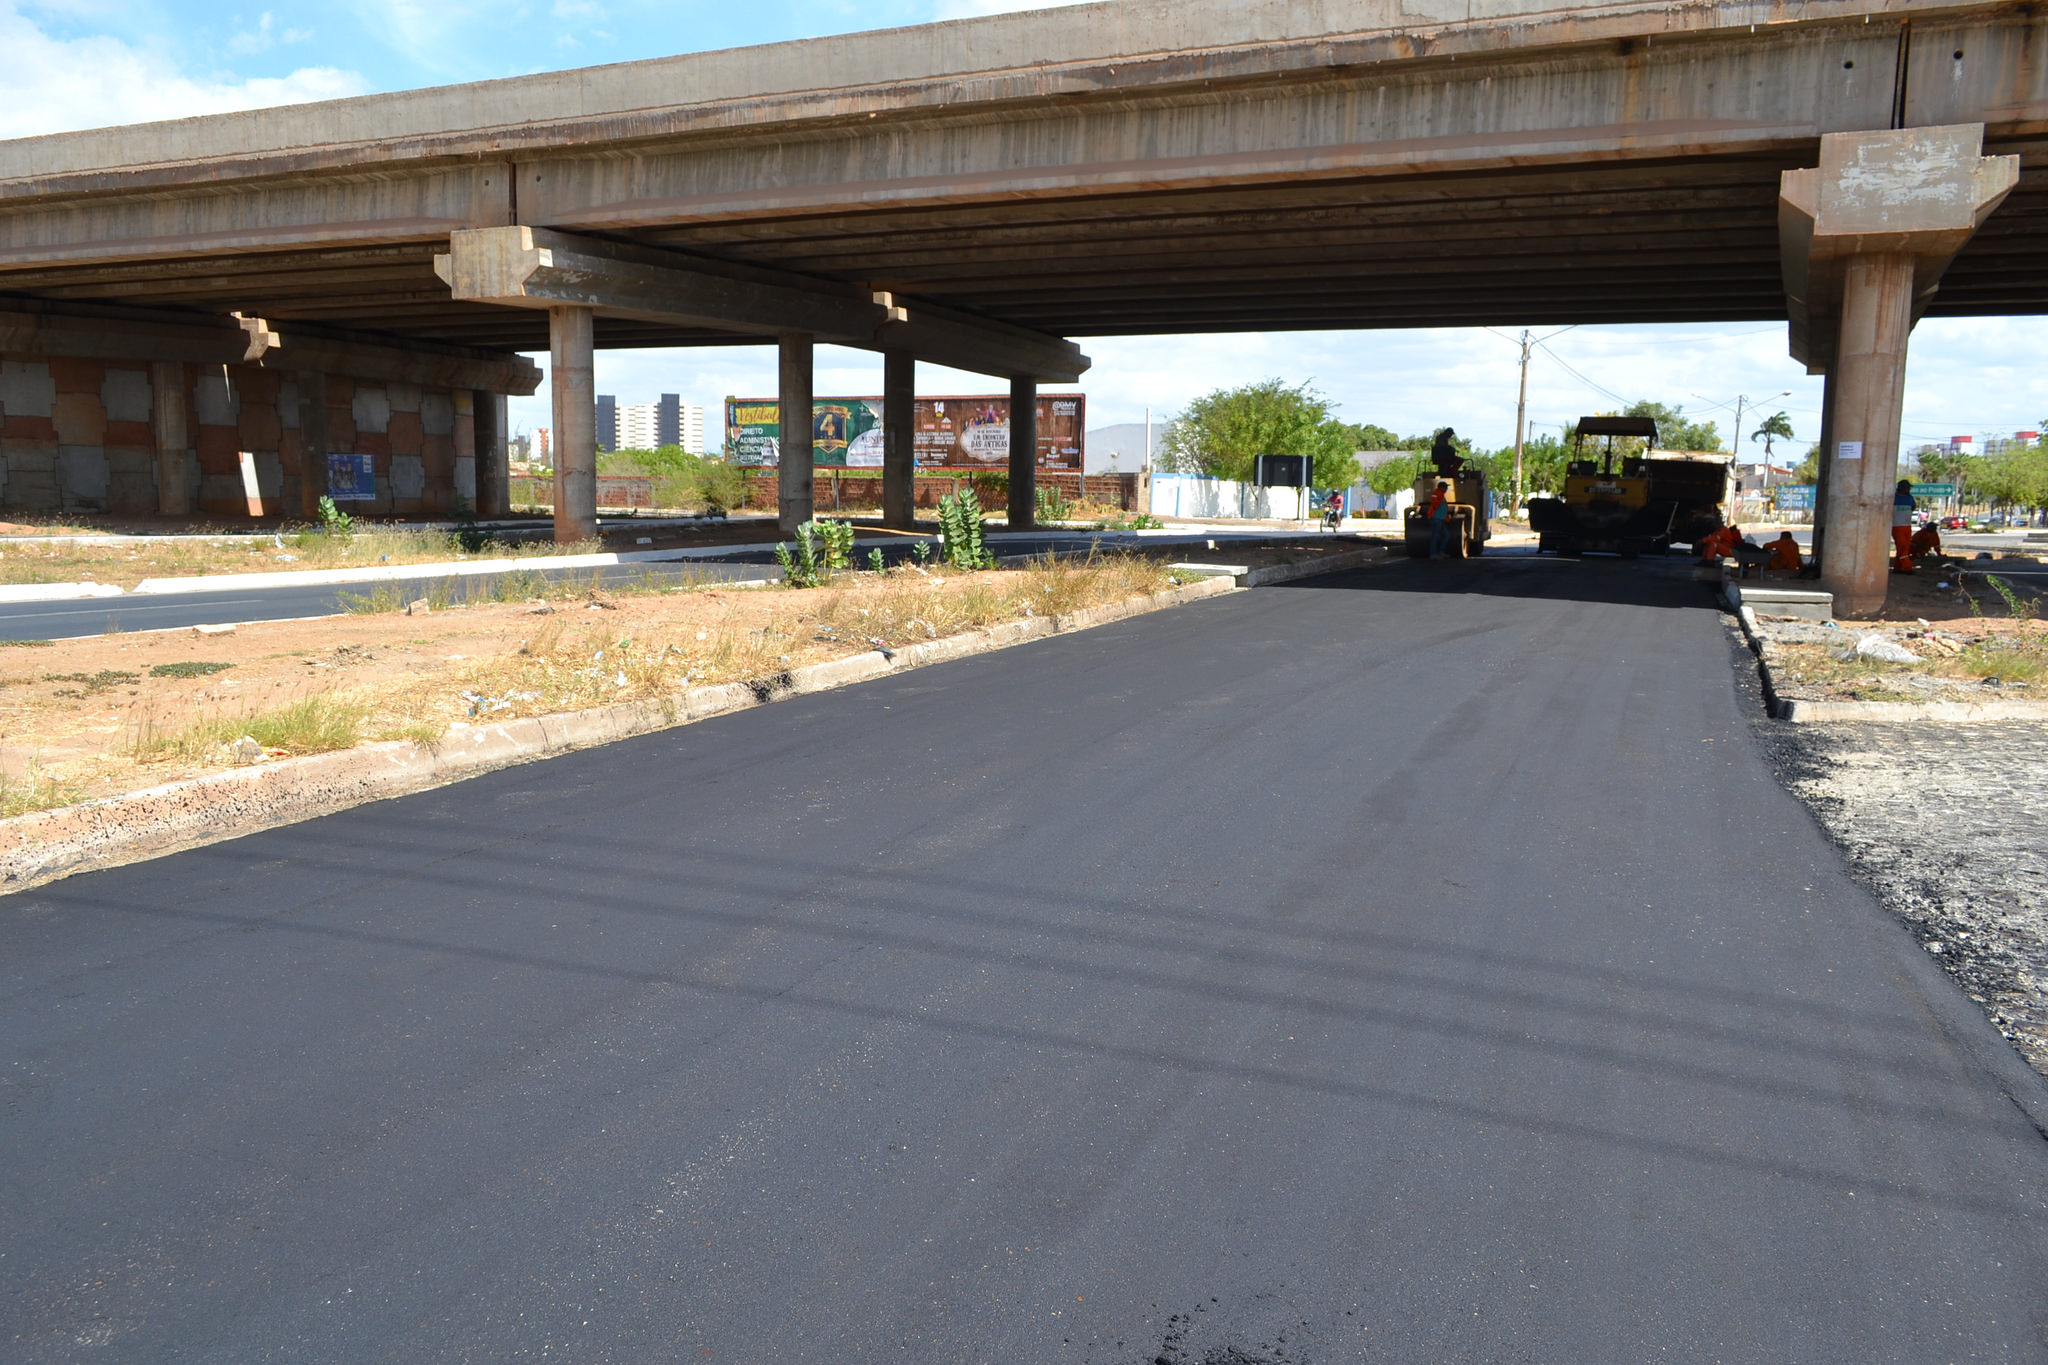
[1597, 388]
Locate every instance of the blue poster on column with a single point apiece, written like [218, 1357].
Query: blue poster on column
[350, 479]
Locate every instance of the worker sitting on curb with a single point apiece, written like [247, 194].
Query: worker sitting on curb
[1926, 541]
[1785, 554]
[1438, 514]
[1718, 544]
[1902, 527]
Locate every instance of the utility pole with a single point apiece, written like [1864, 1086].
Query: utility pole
[1521, 410]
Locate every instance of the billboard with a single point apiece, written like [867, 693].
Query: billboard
[351, 479]
[1794, 497]
[952, 432]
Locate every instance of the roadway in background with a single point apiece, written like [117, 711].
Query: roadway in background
[296, 601]
[1421, 963]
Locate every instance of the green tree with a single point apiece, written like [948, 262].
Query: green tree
[1222, 433]
[1808, 469]
[1674, 432]
[1392, 475]
[1776, 427]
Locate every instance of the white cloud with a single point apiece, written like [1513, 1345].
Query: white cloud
[266, 35]
[59, 84]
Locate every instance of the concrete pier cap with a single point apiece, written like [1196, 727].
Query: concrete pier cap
[1865, 237]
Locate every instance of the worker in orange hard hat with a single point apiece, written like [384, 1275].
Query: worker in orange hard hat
[1785, 554]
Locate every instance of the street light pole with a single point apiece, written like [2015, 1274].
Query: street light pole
[1521, 410]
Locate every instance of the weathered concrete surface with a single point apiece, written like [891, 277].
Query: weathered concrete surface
[1152, 166]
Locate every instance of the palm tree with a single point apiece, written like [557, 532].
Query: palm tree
[1775, 427]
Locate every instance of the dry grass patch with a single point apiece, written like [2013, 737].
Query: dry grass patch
[127, 564]
[105, 714]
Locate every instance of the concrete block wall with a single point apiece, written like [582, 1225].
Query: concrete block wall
[76, 436]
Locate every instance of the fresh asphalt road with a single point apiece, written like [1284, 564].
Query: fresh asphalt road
[1417, 964]
[64, 620]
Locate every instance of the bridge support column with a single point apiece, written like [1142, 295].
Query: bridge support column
[493, 457]
[173, 445]
[1824, 463]
[899, 440]
[1870, 386]
[793, 475]
[573, 384]
[1023, 453]
[312, 386]
[1864, 238]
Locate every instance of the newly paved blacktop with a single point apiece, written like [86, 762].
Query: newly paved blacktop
[1419, 964]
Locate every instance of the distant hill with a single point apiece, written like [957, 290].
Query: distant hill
[1122, 444]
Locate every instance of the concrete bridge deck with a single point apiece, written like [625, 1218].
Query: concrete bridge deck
[1139, 167]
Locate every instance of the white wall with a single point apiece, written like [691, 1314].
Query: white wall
[1193, 496]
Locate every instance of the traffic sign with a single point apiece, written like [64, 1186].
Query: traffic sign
[1794, 497]
[1934, 490]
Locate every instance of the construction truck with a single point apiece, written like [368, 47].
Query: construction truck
[1470, 511]
[1631, 500]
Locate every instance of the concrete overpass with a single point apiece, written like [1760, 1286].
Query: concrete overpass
[976, 192]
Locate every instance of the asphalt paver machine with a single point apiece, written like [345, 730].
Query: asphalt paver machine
[1630, 499]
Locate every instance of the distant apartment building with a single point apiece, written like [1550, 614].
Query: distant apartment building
[670, 422]
[607, 422]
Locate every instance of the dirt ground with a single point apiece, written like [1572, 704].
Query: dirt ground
[105, 714]
[1968, 642]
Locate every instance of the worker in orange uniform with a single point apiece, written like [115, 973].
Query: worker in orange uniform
[1438, 515]
[1926, 541]
[1785, 554]
[1902, 527]
[1719, 544]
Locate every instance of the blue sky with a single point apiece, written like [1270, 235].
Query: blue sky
[88, 63]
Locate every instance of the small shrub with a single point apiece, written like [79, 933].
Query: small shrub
[470, 536]
[802, 566]
[1052, 505]
[960, 532]
[875, 561]
[334, 521]
[189, 668]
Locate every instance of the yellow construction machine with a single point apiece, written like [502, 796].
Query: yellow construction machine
[1631, 500]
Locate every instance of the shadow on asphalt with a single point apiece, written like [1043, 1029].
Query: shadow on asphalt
[1664, 581]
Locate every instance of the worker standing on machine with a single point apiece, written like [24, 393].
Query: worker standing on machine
[1902, 527]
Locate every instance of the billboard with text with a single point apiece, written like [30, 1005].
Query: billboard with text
[952, 432]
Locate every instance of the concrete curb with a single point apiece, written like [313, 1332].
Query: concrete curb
[46, 845]
[1794, 711]
[56, 592]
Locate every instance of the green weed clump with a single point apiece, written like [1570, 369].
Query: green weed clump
[960, 531]
[311, 725]
[821, 549]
